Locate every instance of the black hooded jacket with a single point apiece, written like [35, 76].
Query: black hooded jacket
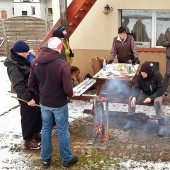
[18, 69]
[151, 86]
[51, 77]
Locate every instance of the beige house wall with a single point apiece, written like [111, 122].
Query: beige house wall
[94, 36]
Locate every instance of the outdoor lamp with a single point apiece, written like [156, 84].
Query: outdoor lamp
[107, 9]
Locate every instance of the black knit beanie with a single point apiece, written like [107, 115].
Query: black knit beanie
[147, 68]
[121, 30]
[58, 33]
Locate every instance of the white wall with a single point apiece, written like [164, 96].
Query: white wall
[97, 30]
[19, 7]
[6, 5]
[31, 0]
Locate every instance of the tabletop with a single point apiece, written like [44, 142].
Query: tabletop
[118, 71]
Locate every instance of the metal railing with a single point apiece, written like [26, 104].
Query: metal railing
[3, 40]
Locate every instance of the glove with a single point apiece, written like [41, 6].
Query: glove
[110, 62]
[137, 60]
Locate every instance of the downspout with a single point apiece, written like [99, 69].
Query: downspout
[63, 13]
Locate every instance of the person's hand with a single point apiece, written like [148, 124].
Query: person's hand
[147, 100]
[137, 60]
[31, 103]
[133, 102]
[110, 62]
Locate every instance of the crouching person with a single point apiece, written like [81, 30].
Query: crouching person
[51, 76]
[148, 90]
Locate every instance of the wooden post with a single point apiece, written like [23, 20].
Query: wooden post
[63, 13]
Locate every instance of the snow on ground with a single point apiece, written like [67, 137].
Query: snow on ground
[76, 109]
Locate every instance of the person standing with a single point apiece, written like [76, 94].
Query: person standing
[148, 90]
[68, 51]
[18, 69]
[166, 43]
[124, 47]
[51, 76]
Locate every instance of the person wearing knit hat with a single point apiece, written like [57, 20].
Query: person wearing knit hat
[18, 69]
[20, 47]
[51, 77]
[146, 68]
[124, 48]
[68, 51]
[61, 28]
[55, 43]
[148, 90]
[58, 33]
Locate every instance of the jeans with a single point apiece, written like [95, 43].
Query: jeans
[167, 74]
[157, 103]
[60, 116]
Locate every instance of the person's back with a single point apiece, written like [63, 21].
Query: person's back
[51, 72]
[51, 76]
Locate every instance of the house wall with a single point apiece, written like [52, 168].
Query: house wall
[94, 36]
[27, 7]
[7, 6]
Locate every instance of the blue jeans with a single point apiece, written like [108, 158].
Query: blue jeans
[60, 116]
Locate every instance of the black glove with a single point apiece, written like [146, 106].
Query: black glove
[110, 62]
[137, 60]
[71, 53]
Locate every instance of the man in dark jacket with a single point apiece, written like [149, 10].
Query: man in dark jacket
[124, 47]
[166, 43]
[148, 89]
[51, 77]
[18, 69]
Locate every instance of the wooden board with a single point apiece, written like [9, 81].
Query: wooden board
[83, 86]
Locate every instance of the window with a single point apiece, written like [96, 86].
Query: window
[33, 10]
[50, 11]
[13, 11]
[147, 26]
[24, 13]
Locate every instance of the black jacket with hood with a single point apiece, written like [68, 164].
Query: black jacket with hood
[51, 77]
[18, 69]
[151, 86]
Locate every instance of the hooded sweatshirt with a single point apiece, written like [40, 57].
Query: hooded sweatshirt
[152, 85]
[50, 76]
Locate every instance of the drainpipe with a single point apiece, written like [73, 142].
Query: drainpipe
[63, 13]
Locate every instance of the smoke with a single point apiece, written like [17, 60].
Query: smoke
[116, 89]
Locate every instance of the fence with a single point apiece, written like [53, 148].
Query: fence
[30, 29]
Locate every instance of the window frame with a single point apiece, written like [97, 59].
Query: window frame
[154, 26]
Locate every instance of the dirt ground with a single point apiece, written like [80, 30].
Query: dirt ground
[141, 143]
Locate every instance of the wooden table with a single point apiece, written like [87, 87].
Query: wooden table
[115, 84]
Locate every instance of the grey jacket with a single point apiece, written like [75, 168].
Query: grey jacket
[166, 43]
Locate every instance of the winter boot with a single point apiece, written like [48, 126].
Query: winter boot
[32, 144]
[37, 137]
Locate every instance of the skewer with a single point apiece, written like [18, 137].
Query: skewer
[23, 100]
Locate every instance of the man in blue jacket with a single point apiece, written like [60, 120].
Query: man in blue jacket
[50, 76]
[148, 89]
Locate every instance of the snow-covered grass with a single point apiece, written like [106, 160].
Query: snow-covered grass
[76, 109]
